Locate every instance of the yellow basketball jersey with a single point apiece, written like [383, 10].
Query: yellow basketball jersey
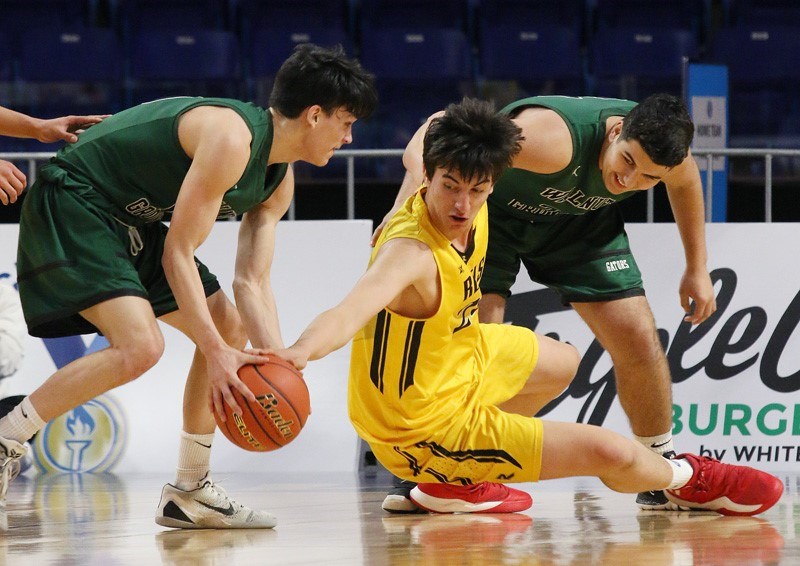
[410, 376]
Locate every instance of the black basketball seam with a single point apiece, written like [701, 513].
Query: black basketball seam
[284, 397]
[257, 420]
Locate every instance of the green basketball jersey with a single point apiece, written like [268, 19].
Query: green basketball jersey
[134, 159]
[579, 187]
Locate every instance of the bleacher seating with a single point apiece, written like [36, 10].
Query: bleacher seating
[636, 62]
[536, 14]
[144, 15]
[424, 53]
[414, 14]
[541, 59]
[72, 71]
[675, 14]
[199, 62]
[764, 77]
[763, 12]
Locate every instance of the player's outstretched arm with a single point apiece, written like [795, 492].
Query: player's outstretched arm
[399, 265]
[65, 128]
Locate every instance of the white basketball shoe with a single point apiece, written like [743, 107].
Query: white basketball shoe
[207, 507]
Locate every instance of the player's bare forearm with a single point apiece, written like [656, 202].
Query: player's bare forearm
[259, 313]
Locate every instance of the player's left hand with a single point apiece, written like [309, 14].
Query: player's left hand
[697, 296]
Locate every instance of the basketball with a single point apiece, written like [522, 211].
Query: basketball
[279, 413]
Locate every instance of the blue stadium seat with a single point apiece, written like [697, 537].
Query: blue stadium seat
[71, 71]
[636, 62]
[422, 54]
[62, 55]
[417, 74]
[195, 55]
[763, 75]
[145, 15]
[18, 17]
[293, 15]
[414, 14]
[541, 58]
[6, 59]
[764, 12]
[198, 62]
[675, 14]
[536, 14]
[269, 48]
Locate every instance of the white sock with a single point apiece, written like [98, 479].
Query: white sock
[660, 444]
[194, 460]
[682, 472]
[21, 423]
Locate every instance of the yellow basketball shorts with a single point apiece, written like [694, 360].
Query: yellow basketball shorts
[480, 443]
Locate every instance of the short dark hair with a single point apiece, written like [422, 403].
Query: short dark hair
[662, 126]
[327, 77]
[472, 139]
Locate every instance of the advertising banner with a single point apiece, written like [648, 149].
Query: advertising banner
[735, 377]
[316, 263]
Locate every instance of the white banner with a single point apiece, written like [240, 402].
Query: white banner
[736, 376]
[316, 264]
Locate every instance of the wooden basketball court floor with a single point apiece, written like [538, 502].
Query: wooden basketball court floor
[336, 519]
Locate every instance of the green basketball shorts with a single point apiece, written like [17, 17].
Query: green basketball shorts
[584, 258]
[74, 253]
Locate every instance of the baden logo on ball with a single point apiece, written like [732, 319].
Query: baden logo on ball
[279, 413]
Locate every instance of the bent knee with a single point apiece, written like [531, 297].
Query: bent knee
[615, 453]
[140, 355]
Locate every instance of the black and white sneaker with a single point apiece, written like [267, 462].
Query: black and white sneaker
[398, 499]
[657, 500]
[207, 507]
[11, 453]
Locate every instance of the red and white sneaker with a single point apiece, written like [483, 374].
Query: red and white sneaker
[485, 497]
[726, 488]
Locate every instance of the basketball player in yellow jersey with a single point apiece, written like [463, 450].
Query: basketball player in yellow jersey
[446, 401]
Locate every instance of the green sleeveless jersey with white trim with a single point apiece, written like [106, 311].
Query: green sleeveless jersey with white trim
[134, 159]
[576, 189]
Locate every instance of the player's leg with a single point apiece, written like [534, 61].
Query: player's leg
[135, 345]
[571, 449]
[555, 369]
[492, 308]
[627, 330]
[193, 500]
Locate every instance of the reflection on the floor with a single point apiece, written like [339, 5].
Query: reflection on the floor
[107, 519]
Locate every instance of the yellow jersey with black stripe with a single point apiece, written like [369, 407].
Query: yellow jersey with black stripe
[410, 376]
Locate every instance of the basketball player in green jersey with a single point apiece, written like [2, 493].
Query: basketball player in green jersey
[18, 125]
[438, 394]
[554, 212]
[95, 256]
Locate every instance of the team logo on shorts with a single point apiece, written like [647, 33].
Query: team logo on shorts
[89, 438]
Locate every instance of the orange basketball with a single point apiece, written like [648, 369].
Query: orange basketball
[279, 413]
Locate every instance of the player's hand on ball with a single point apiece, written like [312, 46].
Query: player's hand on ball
[224, 380]
[298, 359]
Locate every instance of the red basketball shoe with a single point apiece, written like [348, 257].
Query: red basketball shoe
[726, 488]
[485, 497]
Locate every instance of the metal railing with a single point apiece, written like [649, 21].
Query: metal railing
[351, 154]
[767, 154]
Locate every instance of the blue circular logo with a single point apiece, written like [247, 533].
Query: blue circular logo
[89, 438]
